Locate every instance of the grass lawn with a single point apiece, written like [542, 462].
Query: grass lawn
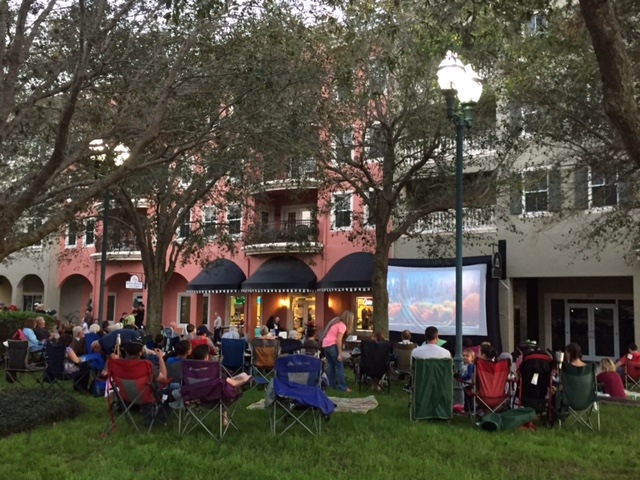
[381, 444]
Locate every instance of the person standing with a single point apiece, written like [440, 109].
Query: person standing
[217, 328]
[140, 316]
[332, 338]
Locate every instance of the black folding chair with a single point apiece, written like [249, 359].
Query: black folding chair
[375, 365]
[16, 361]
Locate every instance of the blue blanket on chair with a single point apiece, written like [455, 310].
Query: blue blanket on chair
[306, 395]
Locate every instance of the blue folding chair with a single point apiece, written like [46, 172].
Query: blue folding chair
[295, 396]
[232, 352]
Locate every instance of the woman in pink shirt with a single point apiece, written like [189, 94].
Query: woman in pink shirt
[332, 338]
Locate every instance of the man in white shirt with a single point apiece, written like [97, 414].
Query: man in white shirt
[217, 328]
[430, 349]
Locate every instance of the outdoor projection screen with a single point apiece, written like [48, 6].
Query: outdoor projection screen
[420, 297]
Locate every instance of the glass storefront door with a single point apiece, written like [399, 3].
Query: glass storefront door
[594, 327]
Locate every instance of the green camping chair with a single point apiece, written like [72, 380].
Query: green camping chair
[431, 389]
[577, 396]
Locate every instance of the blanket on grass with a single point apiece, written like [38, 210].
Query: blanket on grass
[349, 405]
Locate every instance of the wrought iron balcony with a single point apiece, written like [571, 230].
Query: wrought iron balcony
[119, 247]
[294, 174]
[281, 237]
[474, 220]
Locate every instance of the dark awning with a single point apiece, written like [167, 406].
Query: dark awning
[281, 274]
[221, 276]
[350, 274]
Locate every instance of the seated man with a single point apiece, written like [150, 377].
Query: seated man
[78, 344]
[202, 338]
[430, 349]
[406, 338]
[35, 345]
[231, 333]
[106, 344]
[40, 329]
[632, 356]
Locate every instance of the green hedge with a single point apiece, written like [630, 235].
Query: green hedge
[25, 409]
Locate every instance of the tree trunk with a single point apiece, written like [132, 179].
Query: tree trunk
[155, 299]
[616, 71]
[380, 292]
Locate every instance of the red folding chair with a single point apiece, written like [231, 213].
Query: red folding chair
[131, 386]
[632, 376]
[490, 389]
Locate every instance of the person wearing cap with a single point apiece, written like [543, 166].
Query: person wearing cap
[430, 349]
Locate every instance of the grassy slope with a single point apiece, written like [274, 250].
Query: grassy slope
[380, 444]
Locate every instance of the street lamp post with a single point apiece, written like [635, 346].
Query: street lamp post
[462, 88]
[103, 253]
[121, 153]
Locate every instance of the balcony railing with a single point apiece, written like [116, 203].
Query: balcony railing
[298, 231]
[474, 220]
[293, 173]
[119, 247]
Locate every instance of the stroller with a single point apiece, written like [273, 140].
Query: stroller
[535, 389]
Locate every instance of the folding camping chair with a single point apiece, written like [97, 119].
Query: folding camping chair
[296, 397]
[489, 389]
[264, 352]
[577, 396]
[16, 360]
[205, 396]
[431, 395]
[535, 383]
[374, 368]
[54, 365]
[132, 387]
[632, 376]
[402, 354]
[232, 352]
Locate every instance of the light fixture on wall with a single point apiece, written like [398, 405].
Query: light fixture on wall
[496, 263]
[284, 302]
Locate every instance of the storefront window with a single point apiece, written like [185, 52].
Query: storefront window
[236, 309]
[365, 313]
[304, 312]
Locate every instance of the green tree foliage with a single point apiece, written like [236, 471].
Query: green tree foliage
[386, 135]
[577, 109]
[77, 71]
[250, 77]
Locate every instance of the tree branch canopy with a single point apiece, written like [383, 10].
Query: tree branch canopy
[618, 79]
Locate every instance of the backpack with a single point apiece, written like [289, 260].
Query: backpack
[19, 335]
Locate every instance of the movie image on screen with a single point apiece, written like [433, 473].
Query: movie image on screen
[420, 297]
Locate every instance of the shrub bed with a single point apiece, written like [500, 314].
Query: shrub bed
[26, 409]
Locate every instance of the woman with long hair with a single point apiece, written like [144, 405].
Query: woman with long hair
[610, 379]
[332, 338]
